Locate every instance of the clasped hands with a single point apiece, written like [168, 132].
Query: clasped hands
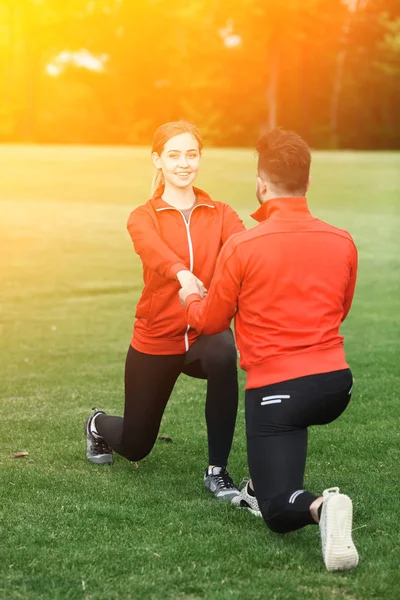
[190, 285]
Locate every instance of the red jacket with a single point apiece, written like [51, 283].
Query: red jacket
[290, 281]
[166, 244]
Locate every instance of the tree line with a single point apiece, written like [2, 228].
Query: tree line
[111, 71]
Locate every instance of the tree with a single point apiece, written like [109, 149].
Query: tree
[233, 68]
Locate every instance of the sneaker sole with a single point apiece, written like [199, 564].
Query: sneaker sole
[101, 459]
[340, 552]
[228, 497]
[256, 513]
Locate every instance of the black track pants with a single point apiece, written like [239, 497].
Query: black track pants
[149, 381]
[277, 417]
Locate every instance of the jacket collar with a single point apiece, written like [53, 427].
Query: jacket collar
[283, 209]
[202, 199]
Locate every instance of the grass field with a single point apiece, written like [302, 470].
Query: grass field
[69, 281]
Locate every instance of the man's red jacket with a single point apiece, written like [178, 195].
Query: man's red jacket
[289, 284]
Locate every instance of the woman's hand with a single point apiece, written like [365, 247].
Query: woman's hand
[190, 285]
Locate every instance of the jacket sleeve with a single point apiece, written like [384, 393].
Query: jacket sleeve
[231, 223]
[153, 251]
[214, 313]
[348, 297]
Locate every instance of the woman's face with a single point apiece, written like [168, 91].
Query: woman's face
[179, 160]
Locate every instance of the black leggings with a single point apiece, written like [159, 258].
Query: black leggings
[149, 381]
[277, 417]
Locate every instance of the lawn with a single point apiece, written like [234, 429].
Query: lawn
[69, 282]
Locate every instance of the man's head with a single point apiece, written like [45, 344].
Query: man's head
[284, 161]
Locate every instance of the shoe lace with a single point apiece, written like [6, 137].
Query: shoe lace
[101, 446]
[224, 479]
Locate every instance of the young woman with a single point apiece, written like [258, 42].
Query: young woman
[178, 235]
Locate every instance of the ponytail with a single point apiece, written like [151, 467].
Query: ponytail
[158, 181]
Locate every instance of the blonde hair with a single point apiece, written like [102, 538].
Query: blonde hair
[162, 135]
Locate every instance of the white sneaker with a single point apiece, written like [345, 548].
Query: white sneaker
[338, 549]
[244, 500]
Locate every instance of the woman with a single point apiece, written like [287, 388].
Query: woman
[178, 234]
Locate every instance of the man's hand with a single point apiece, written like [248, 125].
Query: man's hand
[186, 291]
[190, 285]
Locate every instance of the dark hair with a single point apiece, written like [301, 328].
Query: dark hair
[162, 135]
[285, 159]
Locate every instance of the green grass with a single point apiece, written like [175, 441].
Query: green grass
[69, 281]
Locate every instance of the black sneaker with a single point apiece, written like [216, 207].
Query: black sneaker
[220, 483]
[97, 451]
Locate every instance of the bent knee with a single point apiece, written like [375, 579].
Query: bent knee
[288, 511]
[272, 516]
[275, 524]
[135, 454]
[222, 358]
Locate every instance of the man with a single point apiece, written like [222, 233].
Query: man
[289, 284]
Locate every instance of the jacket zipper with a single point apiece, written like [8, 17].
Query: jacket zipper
[191, 254]
[191, 264]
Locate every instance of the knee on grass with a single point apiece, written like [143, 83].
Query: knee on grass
[135, 453]
[288, 511]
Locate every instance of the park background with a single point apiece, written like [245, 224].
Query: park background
[111, 71]
[83, 86]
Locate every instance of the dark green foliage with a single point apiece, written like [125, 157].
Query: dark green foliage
[233, 68]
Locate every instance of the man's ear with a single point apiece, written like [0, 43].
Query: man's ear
[308, 183]
[261, 186]
[156, 160]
